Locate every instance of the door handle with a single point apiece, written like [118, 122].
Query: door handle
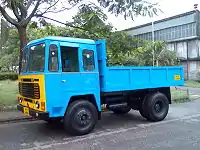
[63, 81]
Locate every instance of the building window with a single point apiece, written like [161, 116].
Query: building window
[192, 49]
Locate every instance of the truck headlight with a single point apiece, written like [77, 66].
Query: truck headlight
[19, 99]
[37, 105]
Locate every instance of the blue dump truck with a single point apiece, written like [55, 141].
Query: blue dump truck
[67, 79]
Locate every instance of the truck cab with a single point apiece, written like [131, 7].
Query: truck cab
[67, 79]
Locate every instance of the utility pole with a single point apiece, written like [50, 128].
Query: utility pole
[153, 40]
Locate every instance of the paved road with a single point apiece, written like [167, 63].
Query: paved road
[180, 131]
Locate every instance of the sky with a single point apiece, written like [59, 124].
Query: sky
[169, 8]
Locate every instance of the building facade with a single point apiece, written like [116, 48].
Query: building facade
[181, 34]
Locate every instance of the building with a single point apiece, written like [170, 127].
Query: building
[181, 33]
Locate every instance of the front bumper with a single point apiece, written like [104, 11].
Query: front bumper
[34, 113]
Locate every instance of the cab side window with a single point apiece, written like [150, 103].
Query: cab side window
[53, 58]
[88, 60]
[69, 57]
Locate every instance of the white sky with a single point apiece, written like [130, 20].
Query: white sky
[169, 7]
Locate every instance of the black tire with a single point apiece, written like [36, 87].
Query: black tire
[143, 109]
[142, 113]
[122, 111]
[157, 106]
[80, 117]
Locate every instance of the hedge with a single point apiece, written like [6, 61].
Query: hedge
[8, 76]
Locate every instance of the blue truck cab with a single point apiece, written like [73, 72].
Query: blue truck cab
[67, 79]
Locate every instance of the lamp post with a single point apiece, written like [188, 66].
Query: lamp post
[153, 40]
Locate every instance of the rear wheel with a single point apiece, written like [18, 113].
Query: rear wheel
[81, 117]
[123, 110]
[157, 107]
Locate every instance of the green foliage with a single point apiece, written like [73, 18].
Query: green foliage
[8, 76]
[130, 8]
[4, 31]
[179, 96]
[122, 49]
[125, 50]
[9, 52]
[192, 83]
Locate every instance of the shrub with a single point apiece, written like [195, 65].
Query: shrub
[8, 76]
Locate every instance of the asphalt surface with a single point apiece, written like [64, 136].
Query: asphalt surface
[179, 131]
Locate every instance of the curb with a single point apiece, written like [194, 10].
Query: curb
[16, 120]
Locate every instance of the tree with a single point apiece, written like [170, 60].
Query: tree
[90, 21]
[25, 10]
[130, 8]
[4, 31]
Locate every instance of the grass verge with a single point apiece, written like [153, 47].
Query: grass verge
[8, 93]
[179, 96]
[192, 83]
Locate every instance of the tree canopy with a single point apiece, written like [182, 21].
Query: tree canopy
[122, 49]
[25, 10]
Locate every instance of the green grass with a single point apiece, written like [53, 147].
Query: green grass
[8, 93]
[179, 96]
[192, 83]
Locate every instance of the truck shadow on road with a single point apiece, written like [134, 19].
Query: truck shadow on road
[108, 121]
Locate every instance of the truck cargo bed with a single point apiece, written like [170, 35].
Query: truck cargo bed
[133, 78]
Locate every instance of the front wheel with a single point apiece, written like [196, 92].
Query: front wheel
[81, 117]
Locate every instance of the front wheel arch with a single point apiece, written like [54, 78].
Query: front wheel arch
[89, 97]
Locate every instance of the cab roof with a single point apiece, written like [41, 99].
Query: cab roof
[64, 39]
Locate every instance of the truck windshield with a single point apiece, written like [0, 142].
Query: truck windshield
[24, 60]
[37, 58]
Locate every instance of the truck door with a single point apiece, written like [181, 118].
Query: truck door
[89, 69]
[79, 71]
[89, 77]
[70, 78]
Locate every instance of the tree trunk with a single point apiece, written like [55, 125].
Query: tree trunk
[22, 37]
[23, 42]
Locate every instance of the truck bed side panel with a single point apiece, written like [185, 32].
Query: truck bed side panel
[133, 78]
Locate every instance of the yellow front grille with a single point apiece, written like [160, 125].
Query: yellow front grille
[29, 90]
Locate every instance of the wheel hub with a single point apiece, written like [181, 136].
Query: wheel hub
[83, 117]
[158, 107]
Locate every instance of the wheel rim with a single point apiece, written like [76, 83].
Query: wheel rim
[158, 107]
[83, 118]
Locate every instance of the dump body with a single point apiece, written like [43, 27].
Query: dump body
[133, 78]
[123, 78]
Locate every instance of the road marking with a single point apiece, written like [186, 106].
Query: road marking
[43, 145]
